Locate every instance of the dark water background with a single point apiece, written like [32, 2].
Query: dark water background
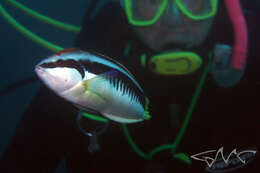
[18, 55]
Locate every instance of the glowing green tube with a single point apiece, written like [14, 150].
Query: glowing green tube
[94, 117]
[27, 32]
[175, 144]
[192, 106]
[34, 14]
[133, 145]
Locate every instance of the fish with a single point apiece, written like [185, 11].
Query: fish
[96, 83]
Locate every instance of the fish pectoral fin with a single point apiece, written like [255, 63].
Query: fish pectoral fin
[98, 80]
[103, 76]
[98, 97]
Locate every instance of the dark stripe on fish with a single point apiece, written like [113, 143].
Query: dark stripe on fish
[111, 60]
[66, 63]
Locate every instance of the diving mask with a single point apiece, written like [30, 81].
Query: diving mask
[148, 12]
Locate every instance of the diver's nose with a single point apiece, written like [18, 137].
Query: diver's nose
[173, 16]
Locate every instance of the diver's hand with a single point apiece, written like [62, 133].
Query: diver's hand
[221, 67]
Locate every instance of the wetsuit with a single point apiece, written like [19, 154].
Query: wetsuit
[48, 131]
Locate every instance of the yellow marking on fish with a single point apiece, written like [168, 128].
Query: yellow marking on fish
[85, 85]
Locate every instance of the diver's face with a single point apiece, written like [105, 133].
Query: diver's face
[172, 28]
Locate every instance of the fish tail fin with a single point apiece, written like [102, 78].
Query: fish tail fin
[147, 114]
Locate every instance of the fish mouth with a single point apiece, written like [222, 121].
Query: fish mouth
[43, 74]
[39, 71]
[53, 82]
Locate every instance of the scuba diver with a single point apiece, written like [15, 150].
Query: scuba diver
[169, 46]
